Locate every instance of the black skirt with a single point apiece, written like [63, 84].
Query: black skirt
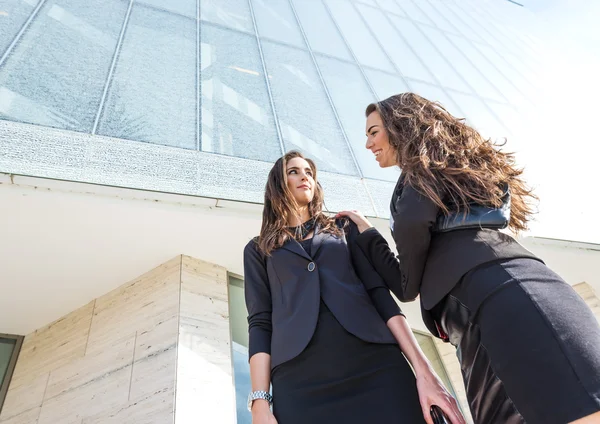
[529, 346]
[339, 378]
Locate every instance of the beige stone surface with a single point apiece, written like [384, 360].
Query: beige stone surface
[28, 417]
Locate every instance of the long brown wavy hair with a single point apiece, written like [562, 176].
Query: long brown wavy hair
[280, 206]
[450, 162]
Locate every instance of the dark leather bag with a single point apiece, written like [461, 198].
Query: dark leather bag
[478, 216]
[438, 416]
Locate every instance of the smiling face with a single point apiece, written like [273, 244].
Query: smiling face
[378, 141]
[300, 180]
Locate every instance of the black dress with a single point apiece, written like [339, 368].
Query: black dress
[339, 378]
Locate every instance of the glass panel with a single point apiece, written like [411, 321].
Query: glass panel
[479, 116]
[455, 20]
[308, 122]
[350, 106]
[237, 118]
[239, 333]
[154, 81]
[275, 20]
[361, 41]
[322, 34]
[481, 86]
[391, 6]
[369, 2]
[13, 14]
[6, 350]
[436, 94]
[230, 13]
[432, 58]
[55, 76]
[485, 66]
[434, 14]
[385, 85]
[414, 12]
[403, 56]
[181, 7]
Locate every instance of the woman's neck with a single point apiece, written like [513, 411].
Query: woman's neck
[300, 217]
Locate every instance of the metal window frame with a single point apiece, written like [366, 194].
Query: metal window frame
[11, 365]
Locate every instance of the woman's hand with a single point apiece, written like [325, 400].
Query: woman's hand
[261, 413]
[359, 219]
[432, 392]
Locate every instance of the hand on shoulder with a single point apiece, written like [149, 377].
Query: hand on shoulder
[357, 217]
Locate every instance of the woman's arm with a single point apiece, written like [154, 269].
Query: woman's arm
[414, 216]
[259, 305]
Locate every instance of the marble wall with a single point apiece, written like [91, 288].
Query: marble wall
[132, 355]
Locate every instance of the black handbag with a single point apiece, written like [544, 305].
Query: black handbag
[438, 415]
[478, 216]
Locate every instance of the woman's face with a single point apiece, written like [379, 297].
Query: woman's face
[378, 141]
[300, 180]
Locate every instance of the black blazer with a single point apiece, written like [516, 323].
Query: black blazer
[283, 293]
[429, 263]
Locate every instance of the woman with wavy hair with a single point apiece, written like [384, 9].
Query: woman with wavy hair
[317, 315]
[528, 345]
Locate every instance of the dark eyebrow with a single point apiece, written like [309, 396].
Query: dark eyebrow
[371, 127]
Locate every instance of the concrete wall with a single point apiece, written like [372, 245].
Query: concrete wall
[132, 355]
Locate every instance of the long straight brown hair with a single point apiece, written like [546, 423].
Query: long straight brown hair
[280, 206]
[449, 161]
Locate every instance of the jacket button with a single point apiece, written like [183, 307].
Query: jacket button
[311, 266]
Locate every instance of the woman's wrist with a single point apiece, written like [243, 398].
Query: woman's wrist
[260, 405]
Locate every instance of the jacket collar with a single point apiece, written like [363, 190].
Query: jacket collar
[293, 246]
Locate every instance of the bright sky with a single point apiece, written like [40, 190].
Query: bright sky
[560, 142]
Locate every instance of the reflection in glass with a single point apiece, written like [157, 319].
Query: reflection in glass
[397, 49]
[55, 75]
[351, 95]
[361, 41]
[237, 118]
[384, 84]
[153, 93]
[434, 14]
[275, 20]
[432, 58]
[230, 13]
[320, 30]
[475, 78]
[391, 6]
[306, 118]
[414, 12]
[436, 94]
[6, 350]
[13, 14]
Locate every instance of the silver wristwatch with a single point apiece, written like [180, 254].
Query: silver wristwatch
[259, 394]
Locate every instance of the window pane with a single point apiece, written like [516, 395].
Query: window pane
[479, 116]
[455, 20]
[391, 6]
[358, 36]
[434, 14]
[308, 122]
[6, 350]
[275, 20]
[154, 81]
[436, 94]
[13, 14]
[432, 58]
[182, 7]
[414, 12]
[485, 66]
[402, 55]
[385, 85]
[55, 76]
[230, 13]
[320, 29]
[481, 86]
[350, 106]
[237, 118]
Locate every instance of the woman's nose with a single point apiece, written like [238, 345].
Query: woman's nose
[368, 143]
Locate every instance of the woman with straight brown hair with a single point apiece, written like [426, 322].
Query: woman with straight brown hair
[317, 315]
[529, 346]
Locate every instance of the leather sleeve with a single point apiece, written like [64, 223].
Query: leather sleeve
[376, 288]
[258, 300]
[414, 218]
